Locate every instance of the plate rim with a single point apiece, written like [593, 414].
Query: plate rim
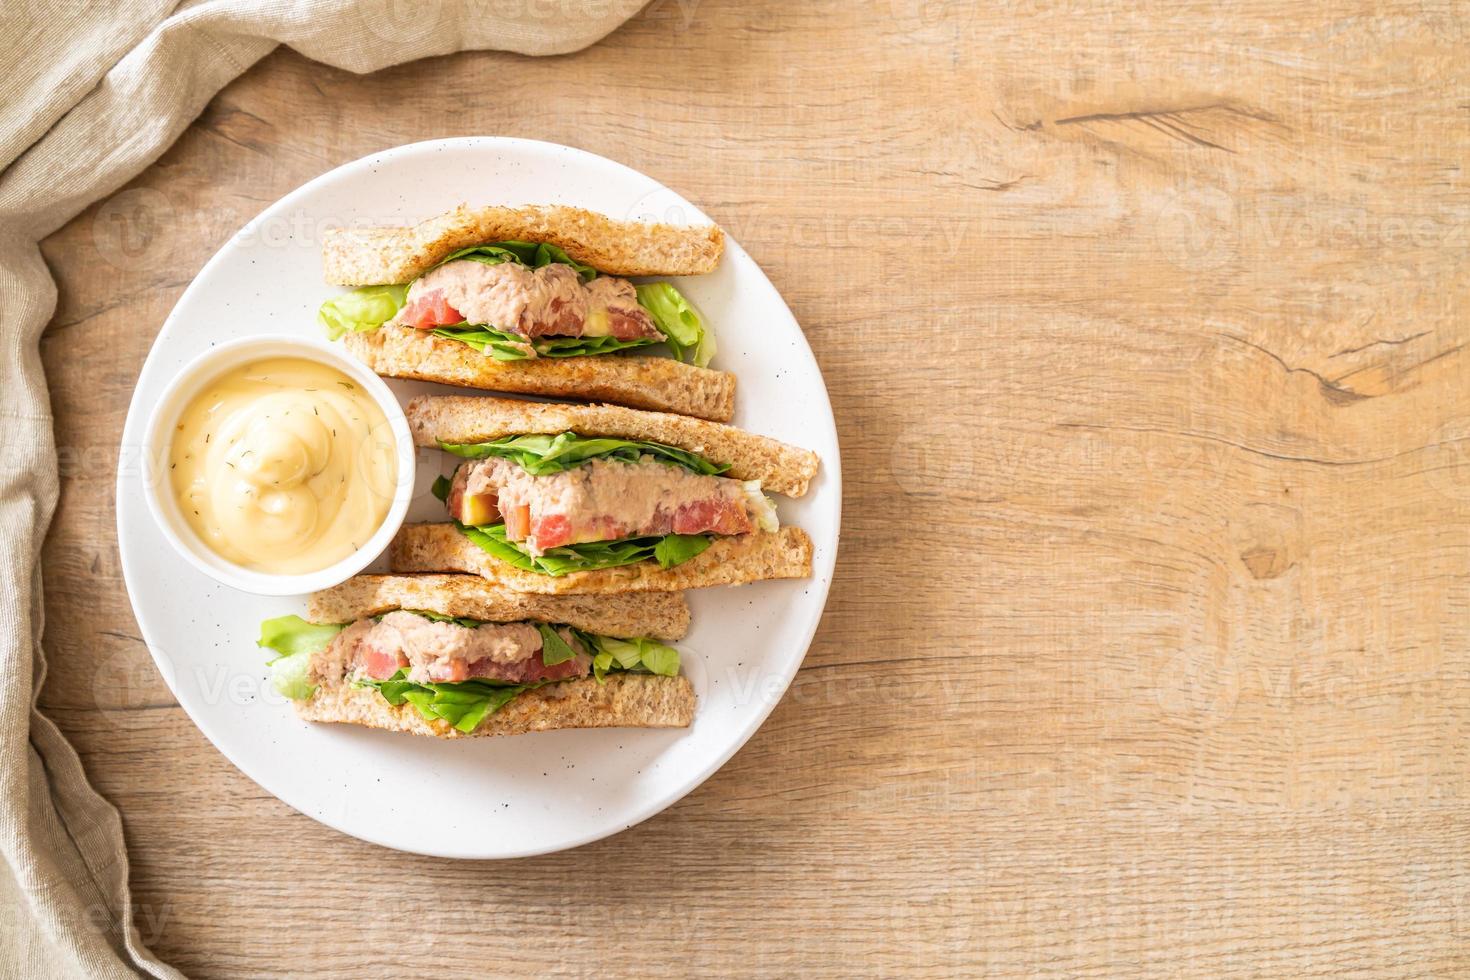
[822, 573]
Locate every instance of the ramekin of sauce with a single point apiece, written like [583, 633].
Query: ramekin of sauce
[278, 466]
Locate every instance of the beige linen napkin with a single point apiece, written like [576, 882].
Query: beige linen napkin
[90, 94]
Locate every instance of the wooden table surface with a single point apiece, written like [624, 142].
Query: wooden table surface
[1147, 651]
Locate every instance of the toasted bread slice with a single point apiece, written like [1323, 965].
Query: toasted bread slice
[786, 553]
[660, 615]
[461, 419]
[380, 256]
[620, 701]
[659, 383]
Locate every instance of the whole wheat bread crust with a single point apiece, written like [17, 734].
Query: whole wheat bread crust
[464, 419]
[621, 701]
[378, 256]
[728, 561]
[659, 383]
[661, 615]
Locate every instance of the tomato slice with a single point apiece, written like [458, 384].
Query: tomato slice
[717, 516]
[551, 530]
[380, 664]
[429, 310]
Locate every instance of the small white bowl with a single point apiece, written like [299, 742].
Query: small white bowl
[165, 508]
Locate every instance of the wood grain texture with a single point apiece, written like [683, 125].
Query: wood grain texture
[1147, 652]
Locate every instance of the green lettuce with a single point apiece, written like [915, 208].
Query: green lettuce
[464, 704]
[610, 654]
[290, 635]
[676, 549]
[362, 309]
[554, 649]
[291, 676]
[295, 640]
[505, 346]
[680, 322]
[533, 254]
[543, 454]
[590, 555]
[464, 621]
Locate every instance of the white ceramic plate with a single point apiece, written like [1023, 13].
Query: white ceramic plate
[475, 798]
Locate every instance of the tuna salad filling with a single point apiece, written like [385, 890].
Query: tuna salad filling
[456, 670]
[601, 500]
[551, 301]
[565, 503]
[517, 300]
[442, 650]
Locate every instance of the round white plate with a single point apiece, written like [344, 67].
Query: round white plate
[497, 797]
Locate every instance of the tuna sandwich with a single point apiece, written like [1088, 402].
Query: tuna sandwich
[533, 300]
[597, 499]
[452, 655]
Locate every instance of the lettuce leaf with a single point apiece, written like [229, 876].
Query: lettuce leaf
[505, 346]
[533, 254]
[658, 658]
[291, 676]
[680, 322]
[362, 309]
[464, 704]
[584, 557]
[288, 635]
[676, 549]
[554, 650]
[296, 641]
[610, 653]
[464, 621]
[543, 454]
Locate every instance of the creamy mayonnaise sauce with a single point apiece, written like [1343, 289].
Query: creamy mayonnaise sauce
[283, 465]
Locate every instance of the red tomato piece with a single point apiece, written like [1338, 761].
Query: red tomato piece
[430, 310]
[551, 530]
[717, 516]
[380, 664]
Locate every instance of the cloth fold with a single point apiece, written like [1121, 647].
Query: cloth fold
[89, 96]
